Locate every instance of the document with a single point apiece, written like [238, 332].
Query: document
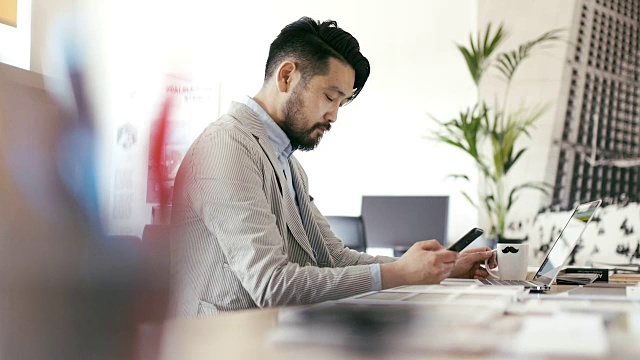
[563, 334]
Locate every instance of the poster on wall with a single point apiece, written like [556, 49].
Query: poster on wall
[123, 177]
[193, 106]
[136, 183]
[9, 12]
[15, 33]
[595, 151]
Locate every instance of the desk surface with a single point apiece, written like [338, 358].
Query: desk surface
[249, 335]
[241, 335]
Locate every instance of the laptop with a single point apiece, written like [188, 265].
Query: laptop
[560, 252]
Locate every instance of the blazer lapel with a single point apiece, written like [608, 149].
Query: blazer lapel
[315, 237]
[248, 118]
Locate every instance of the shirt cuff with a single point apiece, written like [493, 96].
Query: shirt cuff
[376, 278]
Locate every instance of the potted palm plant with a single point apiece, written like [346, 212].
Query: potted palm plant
[489, 133]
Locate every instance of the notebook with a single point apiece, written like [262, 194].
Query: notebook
[560, 252]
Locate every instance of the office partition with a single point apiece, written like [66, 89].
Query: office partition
[399, 221]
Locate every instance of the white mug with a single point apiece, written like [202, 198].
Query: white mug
[512, 262]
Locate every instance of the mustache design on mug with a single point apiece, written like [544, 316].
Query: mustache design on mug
[510, 249]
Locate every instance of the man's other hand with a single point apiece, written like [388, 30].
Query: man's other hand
[469, 261]
[426, 262]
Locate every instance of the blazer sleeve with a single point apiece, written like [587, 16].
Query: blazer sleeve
[229, 169]
[341, 255]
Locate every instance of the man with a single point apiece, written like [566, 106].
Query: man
[246, 231]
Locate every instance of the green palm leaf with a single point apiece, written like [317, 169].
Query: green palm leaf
[465, 133]
[512, 160]
[459, 176]
[489, 133]
[470, 200]
[508, 62]
[477, 54]
[540, 186]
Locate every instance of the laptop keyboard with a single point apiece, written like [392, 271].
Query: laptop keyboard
[508, 282]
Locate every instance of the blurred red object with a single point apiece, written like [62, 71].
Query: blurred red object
[157, 167]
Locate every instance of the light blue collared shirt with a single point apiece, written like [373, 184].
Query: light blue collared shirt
[284, 150]
[279, 140]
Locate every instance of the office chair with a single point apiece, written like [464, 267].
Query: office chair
[156, 242]
[157, 247]
[350, 230]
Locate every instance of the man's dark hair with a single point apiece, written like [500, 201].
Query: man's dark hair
[310, 44]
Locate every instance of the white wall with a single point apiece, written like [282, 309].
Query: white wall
[377, 147]
[44, 13]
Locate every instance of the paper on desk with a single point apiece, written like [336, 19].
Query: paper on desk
[491, 295]
[563, 334]
[634, 323]
[449, 286]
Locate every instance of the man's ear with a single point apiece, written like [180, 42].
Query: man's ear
[285, 76]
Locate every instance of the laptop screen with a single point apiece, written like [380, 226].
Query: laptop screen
[565, 243]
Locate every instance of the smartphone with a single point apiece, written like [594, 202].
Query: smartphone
[466, 240]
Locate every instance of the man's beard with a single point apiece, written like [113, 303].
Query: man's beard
[301, 139]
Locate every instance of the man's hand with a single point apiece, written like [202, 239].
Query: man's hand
[468, 264]
[426, 262]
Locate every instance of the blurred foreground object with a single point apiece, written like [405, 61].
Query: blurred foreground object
[67, 292]
[363, 329]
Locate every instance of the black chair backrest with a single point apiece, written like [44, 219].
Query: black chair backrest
[157, 246]
[350, 230]
[156, 241]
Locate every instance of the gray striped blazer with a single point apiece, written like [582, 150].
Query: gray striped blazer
[237, 239]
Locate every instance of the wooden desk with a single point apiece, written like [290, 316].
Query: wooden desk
[248, 335]
[241, 335]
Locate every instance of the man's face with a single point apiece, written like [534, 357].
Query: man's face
[313, 106]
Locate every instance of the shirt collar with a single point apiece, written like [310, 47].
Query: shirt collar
[277, 136]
